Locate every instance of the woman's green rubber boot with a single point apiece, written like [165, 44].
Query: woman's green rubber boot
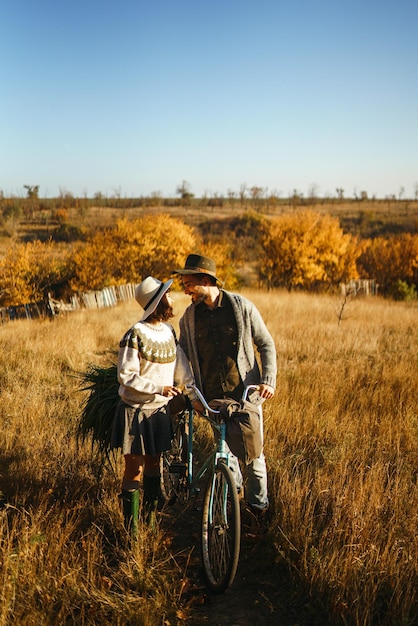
[130, 503]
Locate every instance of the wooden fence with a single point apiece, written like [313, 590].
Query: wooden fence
[109, 296]
[363, 286]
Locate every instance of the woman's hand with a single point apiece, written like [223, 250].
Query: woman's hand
[170, 391]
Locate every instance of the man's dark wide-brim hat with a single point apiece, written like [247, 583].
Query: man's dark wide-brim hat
[197, 264]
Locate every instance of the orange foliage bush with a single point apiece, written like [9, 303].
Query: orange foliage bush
[28, 271]
[307, 250]
[390, 260]
[299, 250]
[131, 251]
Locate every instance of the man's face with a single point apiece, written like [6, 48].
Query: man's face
[195, 287]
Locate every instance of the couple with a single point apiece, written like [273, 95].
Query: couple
[218, 332]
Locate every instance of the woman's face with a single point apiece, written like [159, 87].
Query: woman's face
[164, 310]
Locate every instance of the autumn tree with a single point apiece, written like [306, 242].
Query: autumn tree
[389, 260]
[307, 250]
[29, 271]
[131, 251]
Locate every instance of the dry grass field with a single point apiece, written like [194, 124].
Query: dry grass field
[342, 453]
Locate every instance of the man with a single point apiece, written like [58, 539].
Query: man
[218, 332]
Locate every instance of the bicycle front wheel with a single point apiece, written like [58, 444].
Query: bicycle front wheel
[221, 529]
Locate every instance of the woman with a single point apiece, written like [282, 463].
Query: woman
[148, 363]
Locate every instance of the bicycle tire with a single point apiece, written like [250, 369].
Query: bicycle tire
[173, 468]
[221, 529]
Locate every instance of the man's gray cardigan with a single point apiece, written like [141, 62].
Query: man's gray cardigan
[251, 331]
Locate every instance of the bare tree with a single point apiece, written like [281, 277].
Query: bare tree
[256, 192]
[185, 194]
[156, 198]
[313, 193]
[231, 196]
[242, 193]
[296, 198]
[32, 204]
[32, 191]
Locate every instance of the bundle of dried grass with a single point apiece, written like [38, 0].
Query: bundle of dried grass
[99, 409]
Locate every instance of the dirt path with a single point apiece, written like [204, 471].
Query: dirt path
[256, 597]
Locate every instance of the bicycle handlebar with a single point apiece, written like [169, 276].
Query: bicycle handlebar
[206, 405]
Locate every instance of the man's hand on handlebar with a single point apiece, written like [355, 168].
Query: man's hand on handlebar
[265, 391]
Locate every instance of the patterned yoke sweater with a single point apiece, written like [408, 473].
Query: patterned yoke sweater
[147, 363]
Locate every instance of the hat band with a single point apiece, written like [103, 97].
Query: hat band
[199, 269]
[156, 294]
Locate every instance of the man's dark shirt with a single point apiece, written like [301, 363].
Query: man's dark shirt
[216, 338]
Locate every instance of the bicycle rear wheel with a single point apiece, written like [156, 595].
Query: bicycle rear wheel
[173, 468]
[221, 529]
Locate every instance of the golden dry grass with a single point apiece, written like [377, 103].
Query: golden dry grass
[341, 447]
[64, 555]
[343, 455]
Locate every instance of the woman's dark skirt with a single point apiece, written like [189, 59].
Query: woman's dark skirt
[141, 431]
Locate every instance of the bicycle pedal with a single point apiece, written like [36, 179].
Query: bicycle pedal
[197, 507]
[178, 468]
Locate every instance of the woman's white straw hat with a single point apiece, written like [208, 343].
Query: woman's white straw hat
[148, 294]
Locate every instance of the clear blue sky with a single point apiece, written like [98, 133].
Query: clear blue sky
[135, 96]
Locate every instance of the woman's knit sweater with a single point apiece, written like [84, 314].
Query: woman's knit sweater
[146, 364]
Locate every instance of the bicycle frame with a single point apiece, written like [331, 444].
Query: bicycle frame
[219, 453]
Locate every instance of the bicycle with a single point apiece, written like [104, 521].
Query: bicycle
[220, 536]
